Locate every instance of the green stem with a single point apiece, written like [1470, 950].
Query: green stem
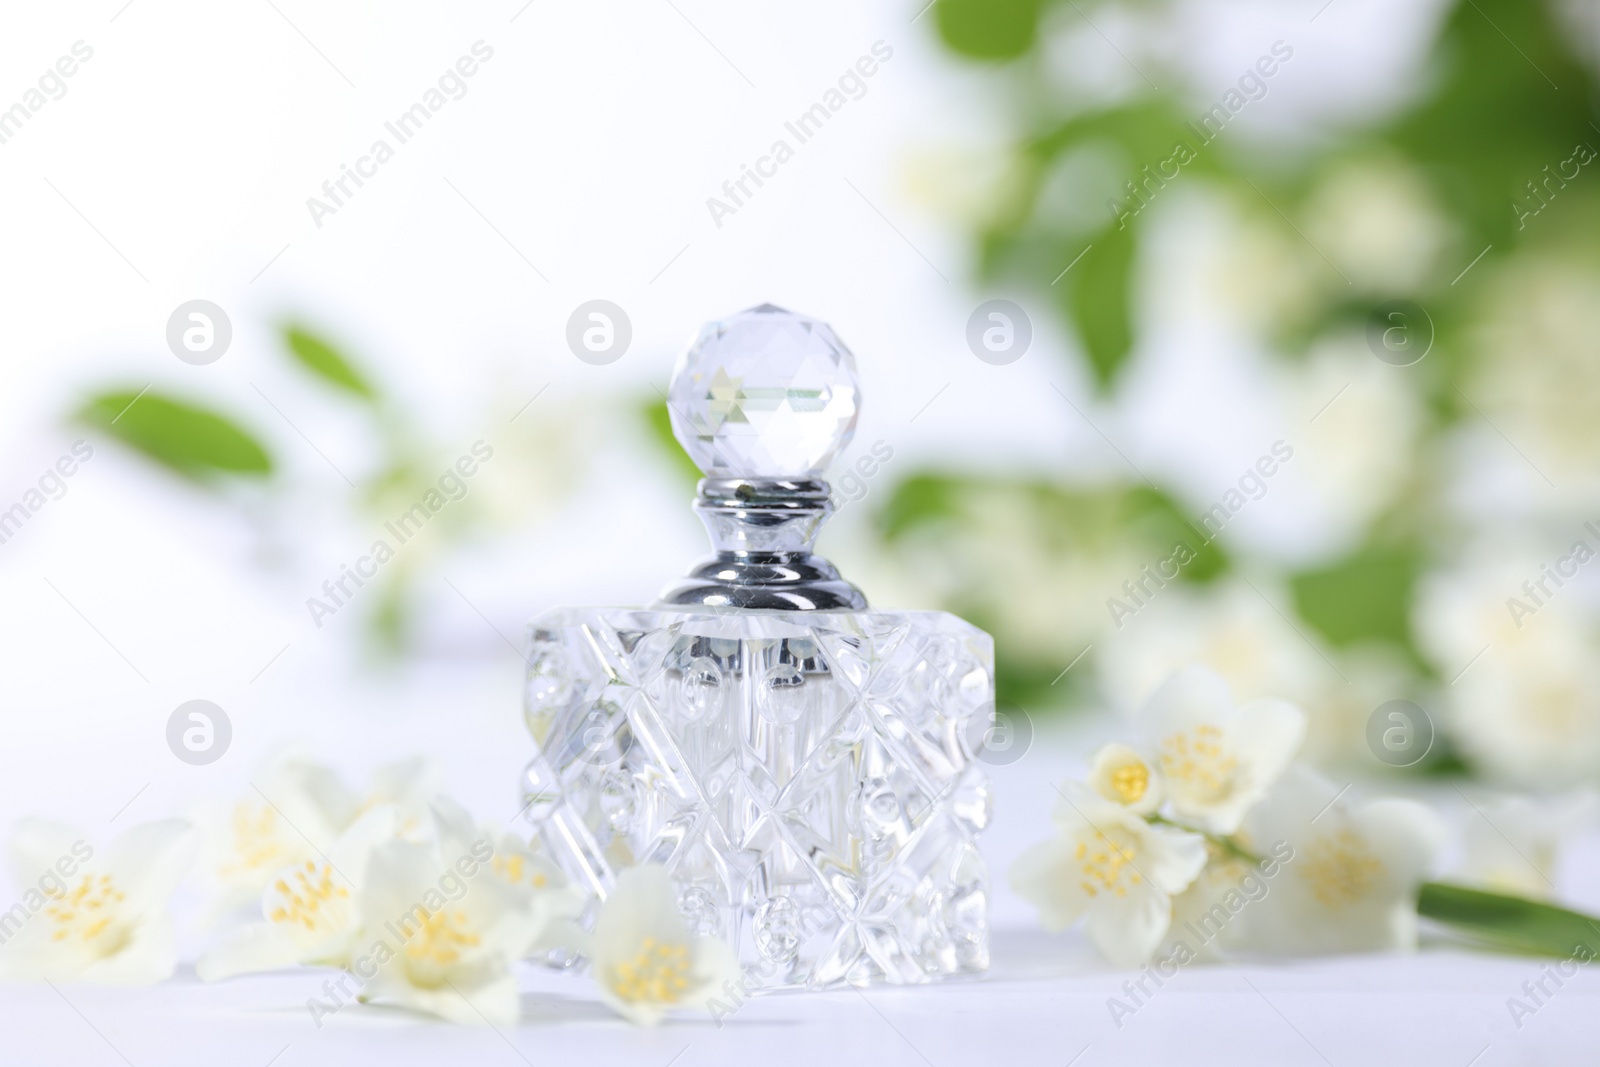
[1511, 923]
[1225, 843]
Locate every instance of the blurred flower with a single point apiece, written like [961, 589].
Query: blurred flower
[1227, 627]
[1378, 221]
[975, 184]
[1535, 375]
[410, 787]
[1512, 843]
[1121, 775]
[1255, 269]
[295, 808]
[643, 956]
[310, 909]
[107, 922]
[1192, 909]
[1352, 883]
[1235, 631]
[1357, 424]
[1524, 699]
[295, 812]
[1112, 868]
[1217, 759]
[555, 903]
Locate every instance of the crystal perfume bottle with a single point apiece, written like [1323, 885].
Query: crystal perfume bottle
[804, 767]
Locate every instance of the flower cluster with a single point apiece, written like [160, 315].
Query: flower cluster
[1203, 836]
[414, 903]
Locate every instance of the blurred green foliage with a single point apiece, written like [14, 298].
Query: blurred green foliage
[1501, 98]
[1511, 924]
[318, 356]
[191, 440]
[213, 450]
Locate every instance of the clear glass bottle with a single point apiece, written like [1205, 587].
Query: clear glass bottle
[803, 766]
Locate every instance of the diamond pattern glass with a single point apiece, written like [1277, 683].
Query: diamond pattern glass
[808, 779]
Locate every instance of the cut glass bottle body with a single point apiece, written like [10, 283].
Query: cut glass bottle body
[808, 779]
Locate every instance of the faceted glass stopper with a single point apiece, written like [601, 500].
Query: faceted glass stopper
[764, 394]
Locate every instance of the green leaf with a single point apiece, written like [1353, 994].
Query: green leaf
[193, 441]
[1364, 597]
[658, 420]
[922, 498]
[1513, 924]
[1100, 303]
[319, 356]
[988, 29]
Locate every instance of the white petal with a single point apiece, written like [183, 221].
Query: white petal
[491, 1001]
[1407, 836]
[1193, 696]
[1047, 877]
[261, 946]
[351, 853]
[151, 859]
[1171, 859]
[1128, 929]
[37, 845]
[643, 904]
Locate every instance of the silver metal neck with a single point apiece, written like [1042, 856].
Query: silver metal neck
[762, 530]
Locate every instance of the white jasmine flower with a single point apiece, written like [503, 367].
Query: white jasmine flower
[1112, 869]
[310, 909]
[1120, 774]
[1358, 421]
[442, 933]
[1377, 219]
[1217, 760]
[1512, 843]
[643, 956]
[1351, 884]
[410, 786]
[1524, 700]
[1535, 375]
[95, 917]
[295, 808]
[552, 901]
[1226, 626]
